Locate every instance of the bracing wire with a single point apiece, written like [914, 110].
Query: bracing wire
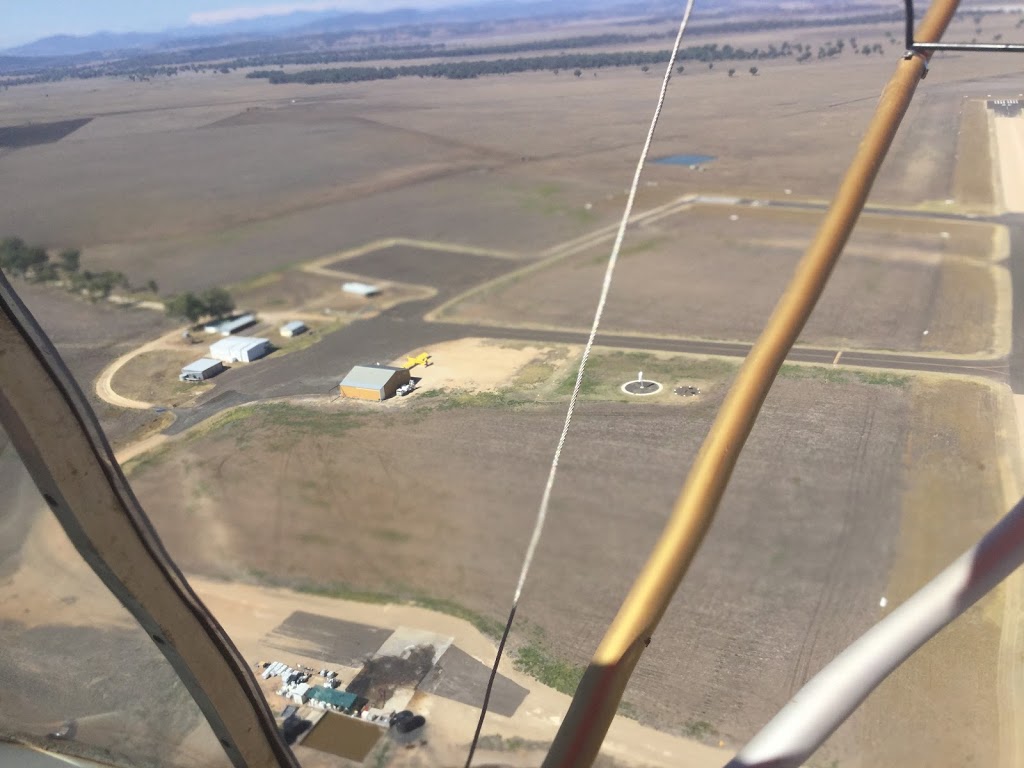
[613, 258]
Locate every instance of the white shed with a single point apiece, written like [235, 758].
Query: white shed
[201, 370]
[230, 326]
[240, 349]
[361, 289]
[294, 328]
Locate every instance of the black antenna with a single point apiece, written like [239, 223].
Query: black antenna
[915, 47]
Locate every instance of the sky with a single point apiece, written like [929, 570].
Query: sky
[26, 20]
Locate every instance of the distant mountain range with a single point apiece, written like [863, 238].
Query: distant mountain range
[306, 23]
[301, 23]
[116, 53]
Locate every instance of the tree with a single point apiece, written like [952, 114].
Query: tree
[578, 72]
[645, 68]
[44, 273]
[753, 71]
[680, 69]
[35, 259]
[186, 305]
[217, 302]
[99, 286]
[732, 72]
[152, 287]
[70, 259]
[12, 255]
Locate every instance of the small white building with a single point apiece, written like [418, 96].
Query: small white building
[300, 693]
[361, 289]
[240, 349]
[201, 370]
[231, 325]
[294, 328]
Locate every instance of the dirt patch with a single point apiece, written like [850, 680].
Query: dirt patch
[153, 377]
[478, 365]
[143, 437]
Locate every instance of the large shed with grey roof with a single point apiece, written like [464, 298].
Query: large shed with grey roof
[374, 382]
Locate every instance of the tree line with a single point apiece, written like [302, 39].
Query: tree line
[314, 49]
[462, 70]
[442, 51]
[33, 263]
[213, 302]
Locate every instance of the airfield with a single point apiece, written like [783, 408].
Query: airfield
[486, 208]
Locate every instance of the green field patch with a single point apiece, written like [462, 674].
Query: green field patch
[607, 371]
[843, 375]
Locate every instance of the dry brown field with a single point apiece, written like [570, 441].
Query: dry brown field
[206, 179]
[701, 274]
[436, 499]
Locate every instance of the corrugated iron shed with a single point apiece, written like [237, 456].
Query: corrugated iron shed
[234, 326]
[202, 369]
[361, 289]
[370, 376]
[239, 349]
[373, 382]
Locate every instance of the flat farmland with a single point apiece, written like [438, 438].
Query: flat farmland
[88, 338]
[257, 165]
[425, 266]
[701, 274]
[855, 484]
[791, 572]
[206, 179]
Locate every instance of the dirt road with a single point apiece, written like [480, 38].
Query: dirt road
[106, 392]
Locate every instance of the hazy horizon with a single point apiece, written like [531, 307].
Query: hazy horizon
[45, 18]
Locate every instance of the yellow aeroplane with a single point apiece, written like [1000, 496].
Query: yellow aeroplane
[423, 360]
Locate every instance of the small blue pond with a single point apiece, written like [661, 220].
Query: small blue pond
[685, 159]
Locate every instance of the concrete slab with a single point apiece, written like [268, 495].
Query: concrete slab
[460, 677]
[330, 640]
[404, 639]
